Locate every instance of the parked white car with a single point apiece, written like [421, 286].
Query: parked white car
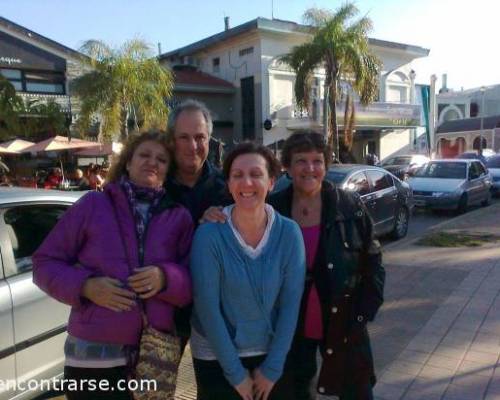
[452, 184]
[32, 325]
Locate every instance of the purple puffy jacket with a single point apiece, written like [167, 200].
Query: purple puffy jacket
[86, 242]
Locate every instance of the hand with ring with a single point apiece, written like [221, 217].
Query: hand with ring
[147, 281]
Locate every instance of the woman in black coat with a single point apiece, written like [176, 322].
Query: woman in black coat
[345, 280]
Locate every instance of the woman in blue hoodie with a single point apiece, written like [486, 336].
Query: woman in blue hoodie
[248, 278]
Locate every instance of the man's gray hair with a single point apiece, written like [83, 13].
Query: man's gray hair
[189, 105]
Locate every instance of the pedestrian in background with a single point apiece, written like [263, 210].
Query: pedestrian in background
[345, 277]
[114, 256]
[248, 276]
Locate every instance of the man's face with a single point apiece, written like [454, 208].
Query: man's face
[191, 141]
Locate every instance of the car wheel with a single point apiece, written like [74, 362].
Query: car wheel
[486, 202]
[401, 224]
[462, 204]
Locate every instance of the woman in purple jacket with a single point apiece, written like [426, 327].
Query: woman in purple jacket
[111, 254]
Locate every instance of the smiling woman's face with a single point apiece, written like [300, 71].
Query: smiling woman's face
[249, 181]
[149, 165]
[307, 170]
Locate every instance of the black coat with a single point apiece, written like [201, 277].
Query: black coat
[349, 277]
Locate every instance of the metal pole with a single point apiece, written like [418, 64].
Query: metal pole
[482, 122]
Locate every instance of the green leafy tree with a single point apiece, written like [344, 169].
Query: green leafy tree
[27, 119]
[122, 84]
[340, 46]
[10, 106]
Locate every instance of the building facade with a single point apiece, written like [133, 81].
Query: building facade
[468, 120]
[248, 56]
[39, 68]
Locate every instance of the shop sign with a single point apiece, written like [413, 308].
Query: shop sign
[10, 60]
[384, 115]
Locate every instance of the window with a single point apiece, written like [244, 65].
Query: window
[379, 180]
[35, 82]
[27, 227]
[216, 64]
[14, 76]
[359, 184]
[44, 82]
[480, 168]
[244, 52]
[444, 170]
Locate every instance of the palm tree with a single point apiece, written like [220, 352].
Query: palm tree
[341, 47]
[123, 84]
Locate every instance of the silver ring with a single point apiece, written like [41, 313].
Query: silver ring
[150, 287]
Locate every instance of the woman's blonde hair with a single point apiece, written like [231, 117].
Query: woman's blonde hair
[119, 165]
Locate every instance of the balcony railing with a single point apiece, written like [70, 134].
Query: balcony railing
[62, 100]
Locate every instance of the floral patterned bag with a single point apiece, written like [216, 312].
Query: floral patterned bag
[159, 358]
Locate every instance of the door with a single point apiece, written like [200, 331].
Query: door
[485, 182]
[475, 184]
[39, 321]
[385, 198]
[248, 108]
[7, 350]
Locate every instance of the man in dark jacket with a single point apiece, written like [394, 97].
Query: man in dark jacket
[193, 181]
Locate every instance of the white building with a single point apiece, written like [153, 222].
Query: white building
[467, 117]
[247, 56]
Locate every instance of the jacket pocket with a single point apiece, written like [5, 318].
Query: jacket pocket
[251, 334]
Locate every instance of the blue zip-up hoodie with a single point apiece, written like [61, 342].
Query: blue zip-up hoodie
[243, 304]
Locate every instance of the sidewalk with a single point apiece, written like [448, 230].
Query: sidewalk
[438, 333]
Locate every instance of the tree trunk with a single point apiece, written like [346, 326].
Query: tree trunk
[124, 124]
[333, 140]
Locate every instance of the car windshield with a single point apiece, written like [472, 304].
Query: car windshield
[397, 161]
[447, 170]
[336, 176]
[493, 162]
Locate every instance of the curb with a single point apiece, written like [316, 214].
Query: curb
[450, 221]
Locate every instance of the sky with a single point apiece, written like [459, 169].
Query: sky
[462, 35]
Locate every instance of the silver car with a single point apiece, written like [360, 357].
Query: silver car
[493, 165]
[451, 184]
[33, 325]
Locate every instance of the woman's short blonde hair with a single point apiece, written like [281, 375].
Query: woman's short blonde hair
[119, 165]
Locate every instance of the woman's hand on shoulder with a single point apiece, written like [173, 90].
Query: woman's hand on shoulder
[109, 293]
[245, 389]
[261, 386]
[213, 214]
[147, 281]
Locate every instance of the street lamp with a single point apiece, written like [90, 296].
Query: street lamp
[483, 89]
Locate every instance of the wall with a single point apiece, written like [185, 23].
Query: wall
[394, 142]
